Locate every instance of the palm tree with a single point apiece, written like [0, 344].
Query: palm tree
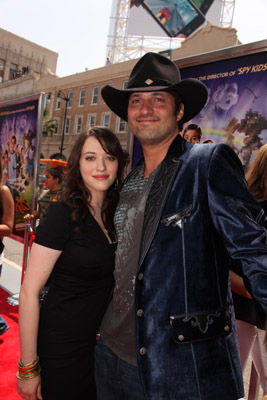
[48, 124]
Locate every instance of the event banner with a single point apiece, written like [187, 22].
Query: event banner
[236, 109]
[19, 147]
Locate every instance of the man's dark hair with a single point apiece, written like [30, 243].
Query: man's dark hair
[178, 102]
[56, 173]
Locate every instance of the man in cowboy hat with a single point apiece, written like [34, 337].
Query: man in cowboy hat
[169, 331]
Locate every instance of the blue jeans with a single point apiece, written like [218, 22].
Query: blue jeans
[115, 378]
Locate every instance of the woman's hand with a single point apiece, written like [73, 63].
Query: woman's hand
[28, 217]
[30, 389]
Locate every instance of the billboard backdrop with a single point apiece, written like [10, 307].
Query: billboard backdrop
[140, 23]
[236, 109]
[19, 149]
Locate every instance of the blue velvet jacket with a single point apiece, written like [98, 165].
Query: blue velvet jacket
[199, 213]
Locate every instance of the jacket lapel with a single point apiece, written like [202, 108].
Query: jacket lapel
[159, 193]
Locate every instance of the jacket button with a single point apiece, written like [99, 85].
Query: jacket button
[142, 351]
[140, 313]
[181, 338]
[140, 276]
[227, 328]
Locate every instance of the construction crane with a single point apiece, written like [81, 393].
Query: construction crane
[227, 13]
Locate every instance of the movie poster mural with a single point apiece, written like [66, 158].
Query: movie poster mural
[19, 149]
[236, 109]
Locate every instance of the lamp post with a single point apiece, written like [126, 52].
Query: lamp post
[66, 99]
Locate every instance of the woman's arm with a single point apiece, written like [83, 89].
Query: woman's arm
[7, 220]
[237, 285]
[41, 263]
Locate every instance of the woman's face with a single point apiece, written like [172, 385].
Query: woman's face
[98, 168]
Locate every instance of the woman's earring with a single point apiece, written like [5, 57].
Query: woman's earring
[115, 184]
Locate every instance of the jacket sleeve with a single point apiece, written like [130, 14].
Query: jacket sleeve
[238, 218]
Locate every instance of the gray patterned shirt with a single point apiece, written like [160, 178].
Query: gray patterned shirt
[117, 329]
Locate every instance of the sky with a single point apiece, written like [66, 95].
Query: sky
[78, 29]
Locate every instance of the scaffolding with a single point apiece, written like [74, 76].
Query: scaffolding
[122, 46]
[227, 13]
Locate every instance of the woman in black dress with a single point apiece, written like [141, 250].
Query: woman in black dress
[76, 242]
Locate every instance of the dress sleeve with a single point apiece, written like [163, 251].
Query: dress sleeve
[55, 227]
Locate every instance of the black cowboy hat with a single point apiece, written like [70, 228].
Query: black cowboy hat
[154, 72]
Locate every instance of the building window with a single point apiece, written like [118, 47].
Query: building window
[12, 71]
[122, 125]
[95, 95]
[47, 100]
[67, 125]
[106, 119]
[82, 97]
[58, 103]
[91, 120]
[70, 97]
[56, 125]
[78, 124]
[125, 85]
[2, 67]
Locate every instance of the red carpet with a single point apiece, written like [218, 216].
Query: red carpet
[9, 350]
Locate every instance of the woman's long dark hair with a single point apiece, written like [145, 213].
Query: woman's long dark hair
[76, 195]
[256, 175]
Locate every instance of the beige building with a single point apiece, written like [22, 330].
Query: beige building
[80, 99]
[21, 64]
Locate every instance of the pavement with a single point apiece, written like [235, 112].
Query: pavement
[12, 266]
[11, 282]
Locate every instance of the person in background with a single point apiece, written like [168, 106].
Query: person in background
[192, 133]
[6, 226]
[207, 141]
[11, 164]
[53, 181]
[184, 211]
[18, 162]
[76, 242]
[251, 319]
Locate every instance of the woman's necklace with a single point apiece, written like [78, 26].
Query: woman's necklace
[97, 216]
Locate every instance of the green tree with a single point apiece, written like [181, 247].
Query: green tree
[48, 124]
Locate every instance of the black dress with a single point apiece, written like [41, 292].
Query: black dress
[82, 281]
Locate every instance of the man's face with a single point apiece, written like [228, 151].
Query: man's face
[152, 117]
[228, 96]
[191, 136]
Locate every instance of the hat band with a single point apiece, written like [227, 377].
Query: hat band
[151, 82]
